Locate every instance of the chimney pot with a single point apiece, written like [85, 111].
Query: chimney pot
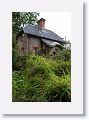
[41, 23]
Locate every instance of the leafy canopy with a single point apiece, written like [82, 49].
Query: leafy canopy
[20, 19]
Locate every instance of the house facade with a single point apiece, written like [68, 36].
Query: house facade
[38, 40]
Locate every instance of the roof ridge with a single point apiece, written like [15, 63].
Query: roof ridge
[38, 27]
[42, 32]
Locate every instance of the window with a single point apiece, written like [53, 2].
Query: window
[35, 49]
[22, 50]
[54, 52]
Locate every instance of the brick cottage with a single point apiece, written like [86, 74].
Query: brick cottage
[38, 40]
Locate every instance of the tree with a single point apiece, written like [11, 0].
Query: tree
[19, 20]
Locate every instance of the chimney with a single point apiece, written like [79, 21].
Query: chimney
[41, 23]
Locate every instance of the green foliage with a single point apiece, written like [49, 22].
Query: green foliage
[37, 65]
[35, 78]
[14, 52]
[20, 19]
[18, 87]
[19, 63]
[61, 68]
[63, 55]
[59, 90]
[41, 81]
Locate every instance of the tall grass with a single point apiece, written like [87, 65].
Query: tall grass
[42, 80]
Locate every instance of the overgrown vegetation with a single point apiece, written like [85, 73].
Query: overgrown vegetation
[36, 78]
[19, 20]
[42, 80]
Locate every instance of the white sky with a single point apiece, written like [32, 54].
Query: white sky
[58, 22]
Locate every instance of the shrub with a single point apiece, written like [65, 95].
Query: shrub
[54, 89]
[60, 68]
[20, 63]
[37, 66]
[18, 91]
[59, 90]
[42, 80]
[63, 55]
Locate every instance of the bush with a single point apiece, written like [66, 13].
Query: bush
[19, 63]
[18, 90]
[59, 90]
[63, 55]
[61, 68]
[53, 90]
[42, 80]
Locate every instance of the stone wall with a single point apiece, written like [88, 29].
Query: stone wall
[34, 44]
[53, 50]
[29, 43]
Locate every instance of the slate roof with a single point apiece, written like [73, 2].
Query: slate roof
[43, 33]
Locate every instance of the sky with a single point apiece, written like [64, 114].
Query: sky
[58, 22]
